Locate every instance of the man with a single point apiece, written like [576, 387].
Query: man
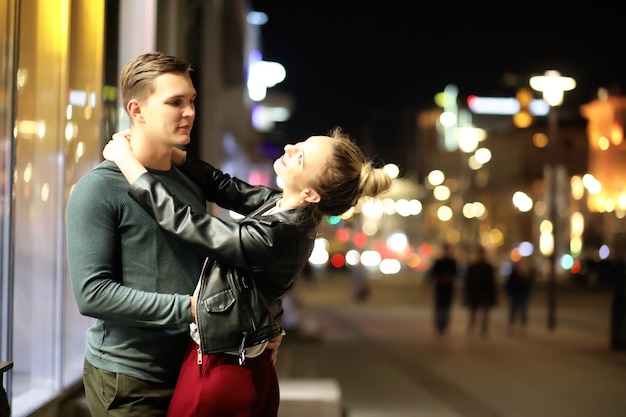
[125, 271]
[479, 291]
[443, 274]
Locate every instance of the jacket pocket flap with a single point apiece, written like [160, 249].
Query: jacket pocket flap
[220, 302]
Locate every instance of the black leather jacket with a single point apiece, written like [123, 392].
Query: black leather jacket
[268, 251]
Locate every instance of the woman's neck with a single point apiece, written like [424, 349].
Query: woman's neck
[289, 202]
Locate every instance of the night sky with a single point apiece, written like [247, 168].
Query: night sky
[345, 59]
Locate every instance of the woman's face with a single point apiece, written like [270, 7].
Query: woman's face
[302, 161]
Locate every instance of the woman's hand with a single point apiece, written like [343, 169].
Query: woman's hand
[273, 345]
[117, 148]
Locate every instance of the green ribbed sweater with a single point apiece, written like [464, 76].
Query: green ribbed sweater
[130, 276]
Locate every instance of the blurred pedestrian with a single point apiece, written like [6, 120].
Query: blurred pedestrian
[518, 288]
[618, 305]
[443, 275]
[480, 291]
[360, 285]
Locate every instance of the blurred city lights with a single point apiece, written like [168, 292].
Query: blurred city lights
[552, 85]
[436, 177]
[392, 170]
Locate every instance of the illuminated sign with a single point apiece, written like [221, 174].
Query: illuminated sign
[505, 106]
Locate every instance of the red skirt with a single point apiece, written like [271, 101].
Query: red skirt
[220, 387]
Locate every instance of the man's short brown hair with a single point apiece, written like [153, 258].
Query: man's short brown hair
[137, 75]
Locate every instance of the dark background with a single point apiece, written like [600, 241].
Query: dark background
[347, 60]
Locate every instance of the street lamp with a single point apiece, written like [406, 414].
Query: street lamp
[552, 85]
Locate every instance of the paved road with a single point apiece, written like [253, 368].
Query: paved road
[389, 363]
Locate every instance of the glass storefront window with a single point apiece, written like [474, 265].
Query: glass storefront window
[58, 123]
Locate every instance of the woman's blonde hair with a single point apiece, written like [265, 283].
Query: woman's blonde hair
[347, 177]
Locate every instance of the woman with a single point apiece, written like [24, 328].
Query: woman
[323, 175]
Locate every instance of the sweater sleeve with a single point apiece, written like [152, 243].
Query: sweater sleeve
[93, 247]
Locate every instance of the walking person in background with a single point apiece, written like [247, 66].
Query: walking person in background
[442, 276]
[518, 288]
[479, 291]
[322, 176]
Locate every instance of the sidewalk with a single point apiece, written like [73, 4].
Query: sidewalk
[388, 363]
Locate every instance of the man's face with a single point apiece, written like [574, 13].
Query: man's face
[169, 112]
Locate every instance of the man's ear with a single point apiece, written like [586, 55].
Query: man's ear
[134, 110]
[310, 196]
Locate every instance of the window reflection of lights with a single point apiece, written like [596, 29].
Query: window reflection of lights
[390, 266]
[28, 127]
[609, 205]
[436, 177]
[41, 131]
[621, 202]
[441, 193]
[80, 151]
[403, 208]
[68, 112]
[71, 131]
[389, 206]
[444, 213]
[22, 77]
[28, 172]
[45, 192]
[371, 258]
